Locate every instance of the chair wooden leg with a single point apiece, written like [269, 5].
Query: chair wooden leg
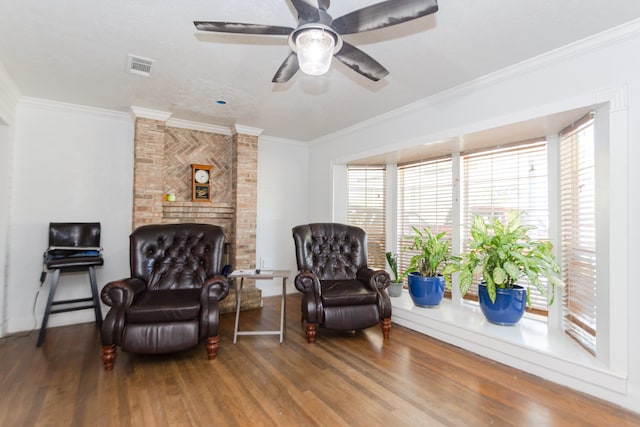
[311, 332]
[212, 347]
[386, 327]
[109, 354]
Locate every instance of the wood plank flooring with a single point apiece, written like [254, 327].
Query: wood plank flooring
[352, 379]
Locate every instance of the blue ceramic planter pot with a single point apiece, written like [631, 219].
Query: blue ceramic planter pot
[426, 291]
[508, 308]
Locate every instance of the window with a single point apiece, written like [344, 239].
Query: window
[501, 179]
[562, 187]
[366, 204]
[425, 199]
[578, 220]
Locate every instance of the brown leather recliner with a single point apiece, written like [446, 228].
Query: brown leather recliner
[170, 302]
[340, 291]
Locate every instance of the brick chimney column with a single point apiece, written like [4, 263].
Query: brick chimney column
[245, 194]
[148, 171]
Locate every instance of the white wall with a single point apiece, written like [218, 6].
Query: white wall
[5, 179]
[70, 164]
[282, 204]
[9, 96]
[605, 68]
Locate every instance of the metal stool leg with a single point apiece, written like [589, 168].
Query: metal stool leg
[238, 304]
[96, 298]
[45, 319]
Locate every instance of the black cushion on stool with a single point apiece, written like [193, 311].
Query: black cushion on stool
[74, 262]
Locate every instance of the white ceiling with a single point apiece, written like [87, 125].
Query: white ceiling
[75, 51]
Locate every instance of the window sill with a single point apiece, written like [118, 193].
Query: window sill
[529, 346]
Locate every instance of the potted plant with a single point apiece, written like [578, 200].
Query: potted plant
[425, 279]
[503, 253]
[395, 288]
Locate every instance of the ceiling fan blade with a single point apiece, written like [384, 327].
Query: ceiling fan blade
[238, 28]
[306, 12]
[360, 62]
[384, 14]
[288, 68]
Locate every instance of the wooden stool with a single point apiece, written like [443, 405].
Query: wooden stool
[73, 247]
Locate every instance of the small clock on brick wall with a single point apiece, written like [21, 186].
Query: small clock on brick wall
[201, 183]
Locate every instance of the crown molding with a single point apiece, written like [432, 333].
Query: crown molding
[147, 113]
[279, 140]
[204, 127]
[46, 104]
[246, 130]
[582, 47]
[165, 116]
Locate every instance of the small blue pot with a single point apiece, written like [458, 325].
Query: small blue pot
[508, 308]
[426, 291]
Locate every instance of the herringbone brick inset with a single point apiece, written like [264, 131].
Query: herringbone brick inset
[184, 147]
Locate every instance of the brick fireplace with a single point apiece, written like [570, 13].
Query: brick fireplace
[162, 164]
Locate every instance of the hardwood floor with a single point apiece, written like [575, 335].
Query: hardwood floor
[342, 380]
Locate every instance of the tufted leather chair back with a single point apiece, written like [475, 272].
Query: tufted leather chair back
[176, 256]
[331, 251]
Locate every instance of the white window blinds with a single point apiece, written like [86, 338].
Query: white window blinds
[366, 201]
[501, 179]
[425, 197]
[578, 226]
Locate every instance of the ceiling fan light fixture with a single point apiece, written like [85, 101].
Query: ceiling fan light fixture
[315, 48]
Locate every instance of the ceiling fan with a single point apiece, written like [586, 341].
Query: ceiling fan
[318, 37]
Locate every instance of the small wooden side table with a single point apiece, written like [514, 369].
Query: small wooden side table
[262, 275]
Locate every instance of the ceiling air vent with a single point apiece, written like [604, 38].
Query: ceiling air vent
[139, 66]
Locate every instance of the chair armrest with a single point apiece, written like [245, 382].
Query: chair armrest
[118, 294]
[122, 292]
[376, 279]
[216, 287]
[308, 283]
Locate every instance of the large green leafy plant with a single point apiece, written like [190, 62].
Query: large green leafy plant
[504, 253]
[433, 252]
